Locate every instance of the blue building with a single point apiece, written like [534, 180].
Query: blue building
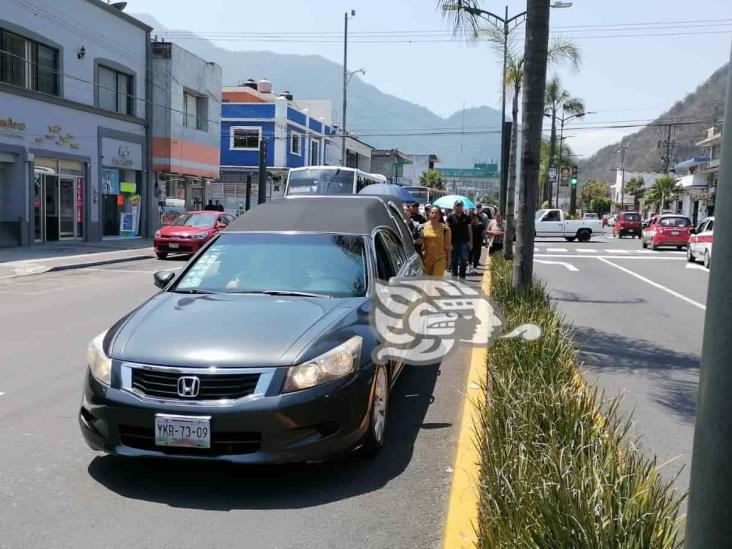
[295, 134]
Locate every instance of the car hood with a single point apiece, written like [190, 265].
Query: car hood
[225, 330]
[182, 230]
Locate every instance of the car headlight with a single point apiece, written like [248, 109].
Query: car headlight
[158, 234]
[200, 236]
[99, 363]
[335, 363]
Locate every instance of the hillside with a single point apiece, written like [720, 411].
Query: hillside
[705, 104]
[371, 112]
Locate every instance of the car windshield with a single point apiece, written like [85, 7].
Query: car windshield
[591, 216]
[320, 181]
[322, 264]
[632, 217]
[194, 220]
[420, 195]
[674, 222]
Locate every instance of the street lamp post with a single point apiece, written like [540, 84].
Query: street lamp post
[562, 121]
[346, 78]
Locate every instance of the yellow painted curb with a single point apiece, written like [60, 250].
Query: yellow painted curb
[462, 511]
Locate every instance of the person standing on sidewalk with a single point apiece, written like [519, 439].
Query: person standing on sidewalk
[462, 239]
[436, 247]
[478, 228]
[495, 234]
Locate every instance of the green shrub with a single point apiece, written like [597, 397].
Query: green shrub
[555, 472]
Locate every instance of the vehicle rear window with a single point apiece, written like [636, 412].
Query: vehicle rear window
[674, 222]
[320, 181]
[331, 265]
[632, 217]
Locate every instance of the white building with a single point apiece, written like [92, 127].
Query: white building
[628, 201]
[73, 106]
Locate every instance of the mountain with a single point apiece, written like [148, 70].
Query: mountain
[703, 107]
[371, 112]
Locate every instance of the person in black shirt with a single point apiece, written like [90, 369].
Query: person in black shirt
[478, 228]
[462, 240]
[414, 214]
[210, 206]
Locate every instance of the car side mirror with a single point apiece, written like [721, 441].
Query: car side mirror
[163, 278]
[221, 226]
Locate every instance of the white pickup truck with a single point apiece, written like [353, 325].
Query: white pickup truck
[553, 223]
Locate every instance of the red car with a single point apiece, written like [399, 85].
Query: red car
[189, 232]
[667, 230]
[627, 223]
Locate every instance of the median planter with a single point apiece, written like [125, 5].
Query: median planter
[558, 467]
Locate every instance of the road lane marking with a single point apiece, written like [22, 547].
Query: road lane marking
[560, 250]
[655, 284]
[577, 256]
[1, 393]
[587, 250]
[569, 266]
[697, 267]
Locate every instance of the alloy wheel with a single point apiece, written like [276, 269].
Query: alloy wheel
[379, 403]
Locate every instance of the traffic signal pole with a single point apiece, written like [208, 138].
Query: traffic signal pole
[573, 191]
[710, 505]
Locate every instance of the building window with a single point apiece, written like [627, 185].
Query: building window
[245, 139]
[314, 152]
[115, 91]
[296, 143]
[195, 113]
[28, 64]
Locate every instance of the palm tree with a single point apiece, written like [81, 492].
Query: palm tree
[661, 191]
[557, 97]
[635, 188]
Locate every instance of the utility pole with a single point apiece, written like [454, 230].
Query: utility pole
[667, 146]
[623, 148]
[708, 521]
[345, 83]
[248, 199]
[505, 138]
[262, 187]
[561, 145]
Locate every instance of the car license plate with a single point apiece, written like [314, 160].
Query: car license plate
[173, 246]
[183, 431]
[674, 233]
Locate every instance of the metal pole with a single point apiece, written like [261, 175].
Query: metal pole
[345, 83]
[559, 166]
[502, 189]
[262, 190]
[622, 179]
[248, 199]
[710, 507]
[552, 155]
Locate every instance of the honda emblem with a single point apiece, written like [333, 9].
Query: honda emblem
[188, 386]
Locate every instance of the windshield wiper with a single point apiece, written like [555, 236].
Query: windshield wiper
[280, 292]
[193, 291]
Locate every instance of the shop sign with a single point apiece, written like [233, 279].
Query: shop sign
[126, 187]
[10, 124]
[121, 154]
[110, 182]
[79, 198]
[126, 222]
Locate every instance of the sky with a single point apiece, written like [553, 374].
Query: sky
[626, 75]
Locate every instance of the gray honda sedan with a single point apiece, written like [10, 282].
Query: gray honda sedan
[260, 350]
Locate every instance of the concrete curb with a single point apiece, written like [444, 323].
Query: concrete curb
[82, 265]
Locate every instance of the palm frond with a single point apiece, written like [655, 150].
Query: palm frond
[574, 105]
[561, 50]
[462, 16]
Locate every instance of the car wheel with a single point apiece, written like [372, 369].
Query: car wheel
[679, 248]
[653, 245]
[690, 256]
[373, 440]
[707, 259]
[570, 238]
[584, 235]
[161, 255]
[644, 243]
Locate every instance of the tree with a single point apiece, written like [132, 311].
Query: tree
[557, 97]
[601, 205]
[664, 189]
[432, 178]
[635, 187]
[593, 189]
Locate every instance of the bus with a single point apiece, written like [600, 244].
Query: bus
[424, 195]
[329, 180]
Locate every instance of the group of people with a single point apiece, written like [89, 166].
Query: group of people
[218, 207]
[455, 240]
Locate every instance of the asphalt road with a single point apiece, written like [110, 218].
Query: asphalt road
[55, 492]
[639, 319]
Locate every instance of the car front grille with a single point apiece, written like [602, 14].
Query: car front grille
[222, 443]
[219, 386]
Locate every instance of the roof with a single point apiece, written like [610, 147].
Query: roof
[693, 161]
[109, 8]
[323, 214]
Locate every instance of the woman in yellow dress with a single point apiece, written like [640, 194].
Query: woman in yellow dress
[436, 245]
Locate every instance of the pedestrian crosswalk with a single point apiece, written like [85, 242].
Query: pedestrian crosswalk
[603, 251]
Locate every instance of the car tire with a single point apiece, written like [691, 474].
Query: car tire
[584, 235]
[570, 238]
[161, 255]
[690, 256]
[707, 259]
[679, 248]
[373, 439]
[653, 246]
[644, 243]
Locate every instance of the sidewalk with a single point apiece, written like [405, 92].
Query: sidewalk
[56, 256]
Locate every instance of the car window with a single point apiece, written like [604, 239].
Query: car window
[332, 265]
[195, 220]
[552, 216]
[631, 217]
[395, 250]
[674, 222]
[710, 225]
[385, 265]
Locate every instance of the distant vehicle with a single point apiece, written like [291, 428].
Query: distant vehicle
[424, 195]
[189, 232]
[553, 223]
[590, 215]
[611, 220]
[329, 180]
[628, 223]
[667, 230]
[700, 242]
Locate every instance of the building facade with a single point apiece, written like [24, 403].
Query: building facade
[480, 180]
[420, 163]
[390, 163]
[73, 108]
[252, 115]
[186, 128]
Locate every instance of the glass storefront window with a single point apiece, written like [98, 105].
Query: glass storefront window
[121, 202]
[58, 199]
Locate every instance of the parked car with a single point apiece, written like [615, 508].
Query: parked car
[189, 232]
[627, 223]
[700, 242]
[590, 215]
[667, 230]
[260, 351]
[553, 223]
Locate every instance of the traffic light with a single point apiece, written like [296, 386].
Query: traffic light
[573, 181]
